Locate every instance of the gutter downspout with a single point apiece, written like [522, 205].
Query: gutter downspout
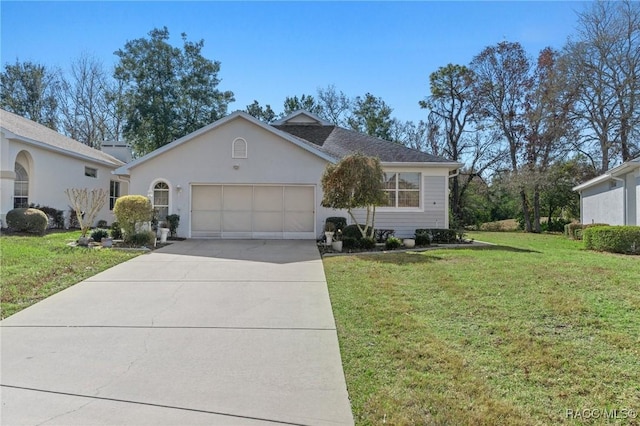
[624, 198]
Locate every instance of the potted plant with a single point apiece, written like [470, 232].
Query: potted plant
[409, 242]
[336, 244]
[164, 232]
[329, 231]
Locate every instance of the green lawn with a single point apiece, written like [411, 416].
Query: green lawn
[33, 268]
[515, 334]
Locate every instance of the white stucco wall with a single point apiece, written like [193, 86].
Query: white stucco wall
[603, 204]
[50, 173]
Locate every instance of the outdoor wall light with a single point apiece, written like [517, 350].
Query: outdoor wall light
[178, 188]
[236, 166]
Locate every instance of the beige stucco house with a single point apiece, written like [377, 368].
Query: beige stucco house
[37, 164]
[241, 178]
[613, 197]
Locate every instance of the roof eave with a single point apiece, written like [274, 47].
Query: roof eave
[451, 165]
[11, 135]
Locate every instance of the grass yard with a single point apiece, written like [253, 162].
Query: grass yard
[534, 331]
[33, 268]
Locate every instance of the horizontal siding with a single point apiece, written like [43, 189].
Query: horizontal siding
[405, 223]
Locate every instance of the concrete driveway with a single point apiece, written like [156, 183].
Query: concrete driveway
[199, 332]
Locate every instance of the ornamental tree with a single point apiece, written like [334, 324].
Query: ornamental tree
[355, 182]
[87, 204]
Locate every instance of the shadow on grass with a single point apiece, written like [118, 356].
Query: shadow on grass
[399, 258]
[501, 248]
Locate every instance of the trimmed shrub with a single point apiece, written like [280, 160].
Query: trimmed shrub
[98, 234]
[436, 236]
[102, 224]
[339, 222]
[392, 243]
[352, 231]
[131, 210]
[144, 238]
[32, 221]
[350, 243]
[55, 216]
[174, 222]
[422, 238]
[367, 243]
[575, 230]
[116, 231]
[74, 223]
[613, 239]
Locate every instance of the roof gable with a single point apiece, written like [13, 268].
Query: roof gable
[624, 168]
[234, 116]
[25, 130]
[302, 117]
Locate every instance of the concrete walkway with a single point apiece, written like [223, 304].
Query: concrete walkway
[198, 333]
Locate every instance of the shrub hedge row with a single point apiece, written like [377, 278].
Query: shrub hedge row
[436, 236]
[613, 239]
[575, 230]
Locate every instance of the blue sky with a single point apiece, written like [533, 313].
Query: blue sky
[272, 50]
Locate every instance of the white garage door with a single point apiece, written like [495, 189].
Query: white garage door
[253, 211]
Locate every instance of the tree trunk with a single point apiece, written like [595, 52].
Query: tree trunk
[536, 209]
[525, 211]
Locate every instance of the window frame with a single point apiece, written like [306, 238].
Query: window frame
[91, 172]
[114, 193]
[24, 184]
[156, 206]
[233, 148]
[397, 190]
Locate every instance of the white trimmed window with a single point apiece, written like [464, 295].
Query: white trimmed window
[161, 200]
[402, 189]
[114, 193]
[21, 187]
[239, 148]
[90, 172]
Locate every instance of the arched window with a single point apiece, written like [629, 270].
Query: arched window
[239, 148]
[161, 200]
[21, 187]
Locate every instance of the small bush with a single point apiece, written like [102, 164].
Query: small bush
[613, 239]
[102, 224]
[392, 243]
[116, 231]
[367, 243]
[350, 243]
[436, 236]
[422, 238]
[74, 223]
[55, 216]
[144, 238]
[131, 210]
[98, 234]
[339, 222]
[32, 221]
[174, 221]
[353, 231]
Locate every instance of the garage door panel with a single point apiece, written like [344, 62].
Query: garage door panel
[267, 222]
[298, 198]
[267, 198]
[236, 221]
[298, 222]
[206, 197]
[204, 220]
[237, 198]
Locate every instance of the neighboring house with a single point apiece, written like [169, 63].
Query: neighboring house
[37, 164]
[613, 197]
[241, 178]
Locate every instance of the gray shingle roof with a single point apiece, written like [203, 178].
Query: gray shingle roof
[339, 142]
[31, 130]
